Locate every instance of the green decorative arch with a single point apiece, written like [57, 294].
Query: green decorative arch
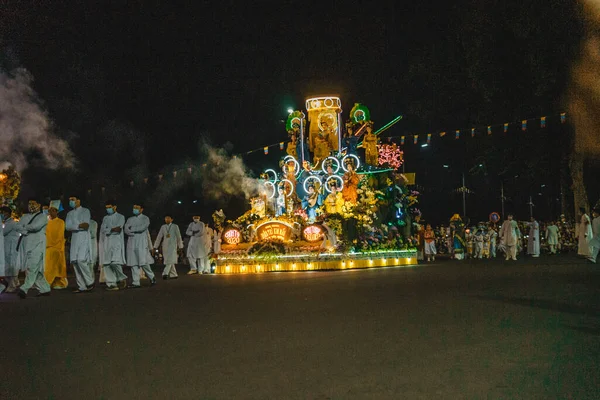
[360, 113]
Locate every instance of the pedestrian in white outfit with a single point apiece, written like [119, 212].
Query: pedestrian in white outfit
[196, 250]
[78, 223]
[595, 242]
[552, 237]
[10, 237]
[585, 235]
[138, 246]
[170, 236]
[509, 236]
[32, 227]
[533, 240]
[113, 247]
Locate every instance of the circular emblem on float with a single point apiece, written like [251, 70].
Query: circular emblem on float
[494, 217]
[312, 233]
[232, 236]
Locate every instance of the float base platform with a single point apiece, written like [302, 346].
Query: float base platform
[320, 262]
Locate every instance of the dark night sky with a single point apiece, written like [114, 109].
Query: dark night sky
[229, 70]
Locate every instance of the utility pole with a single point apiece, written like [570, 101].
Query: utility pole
[502, 198]
[530, 207]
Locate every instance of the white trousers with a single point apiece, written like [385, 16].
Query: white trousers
[13, 283]
[594, 256]
[170, 271]
[552, 249]
[136, 273]
[511, 252]
[199, 264]
[35, 272]
[84, 274]
[114, 273]
[194, 264]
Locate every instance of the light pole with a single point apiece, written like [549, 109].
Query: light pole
[502, 198]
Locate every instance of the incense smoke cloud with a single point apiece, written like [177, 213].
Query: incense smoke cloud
[25, 127]
[225, 176]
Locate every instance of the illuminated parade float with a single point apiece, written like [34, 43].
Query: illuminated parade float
[336, 201]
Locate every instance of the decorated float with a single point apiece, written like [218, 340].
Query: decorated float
[335, 201]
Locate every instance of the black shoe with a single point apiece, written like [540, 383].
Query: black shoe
[22, 294]
[133, 286]
[165, 277]
[174, 277]
[43, 294]
[153, 282]
[91, 287]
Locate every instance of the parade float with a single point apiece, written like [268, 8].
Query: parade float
[335, 201]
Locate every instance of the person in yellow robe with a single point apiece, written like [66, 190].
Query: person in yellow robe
[55, 269]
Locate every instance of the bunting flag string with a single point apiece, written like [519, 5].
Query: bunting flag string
[489, 128]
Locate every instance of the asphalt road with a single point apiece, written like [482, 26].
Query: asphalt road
[470, 330]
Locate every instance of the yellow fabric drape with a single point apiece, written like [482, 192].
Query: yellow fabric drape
[55, 269]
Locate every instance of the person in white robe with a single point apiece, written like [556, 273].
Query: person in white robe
[170, 236]
[138, 248]
[595, 242]
[533, 240]
[196, 248]
[11, 237]
[493, 242]
[585, 235]
[78, 223]
[93, 229]
[552, 235]
[113, 247]
[509, 237]
[32, 227]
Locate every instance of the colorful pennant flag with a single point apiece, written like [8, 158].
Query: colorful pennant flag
[266, 150]
[402, 140]
[281, 146]
[428, 138]
[543, 122]
[506, 127]
[457, 135]
[524, 125]
[442, 134]
[415, 139]
[472, 132]
[489, 130]
[563, 118]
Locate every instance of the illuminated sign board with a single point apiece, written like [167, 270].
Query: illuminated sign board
[313, 233]
[273, 231]
[232, 236]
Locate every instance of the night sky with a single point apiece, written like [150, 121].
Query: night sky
[133, 87]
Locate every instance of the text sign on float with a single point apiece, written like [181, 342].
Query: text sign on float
[232, 236]
[313, 233]
[273, 231]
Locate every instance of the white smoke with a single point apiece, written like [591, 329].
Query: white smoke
[225, 176]
[25, 127]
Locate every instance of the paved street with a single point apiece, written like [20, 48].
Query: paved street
[472, 330]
